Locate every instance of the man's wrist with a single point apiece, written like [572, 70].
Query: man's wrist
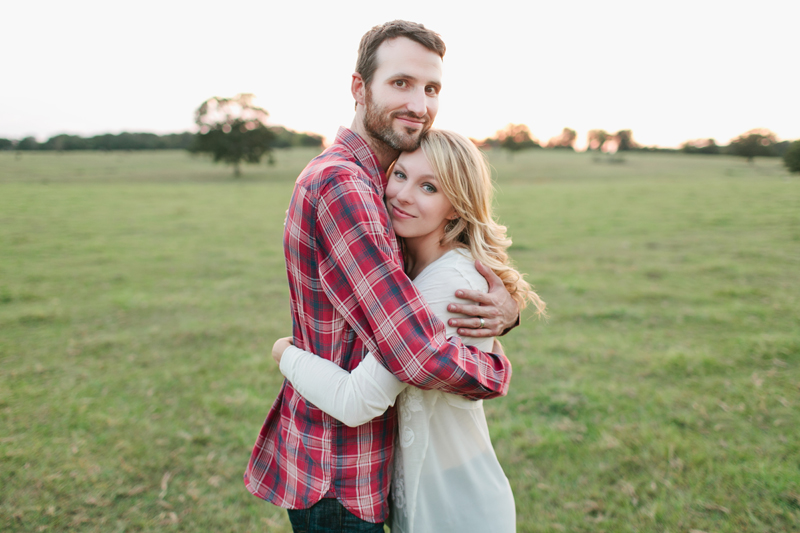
[515, 324]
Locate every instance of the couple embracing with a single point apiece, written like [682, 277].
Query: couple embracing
[392, 256]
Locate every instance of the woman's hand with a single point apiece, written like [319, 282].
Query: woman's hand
[279, 347]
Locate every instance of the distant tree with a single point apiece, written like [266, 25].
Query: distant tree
[597, 138]
[700, 146]
[625, 141]
[286, 138]
[139, 141]
[486, 144]
[781, 148]
[233, 130]
[6, 144]
[657, 149]
[177, 141]
[565, 140]
[792, 157]
[65, 142]
[754, 143]
[28, 143]
[516, 137]
[308, 140]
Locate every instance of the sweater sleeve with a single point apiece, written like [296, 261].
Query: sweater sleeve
[353, 398]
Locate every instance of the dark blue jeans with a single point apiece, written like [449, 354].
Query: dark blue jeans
[329, 516]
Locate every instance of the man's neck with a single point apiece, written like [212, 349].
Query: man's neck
[386, 155]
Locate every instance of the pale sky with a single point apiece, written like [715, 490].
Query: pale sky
[669, 71]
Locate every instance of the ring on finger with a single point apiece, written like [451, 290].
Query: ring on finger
[482, 322]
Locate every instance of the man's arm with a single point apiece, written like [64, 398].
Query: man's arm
[371, 291]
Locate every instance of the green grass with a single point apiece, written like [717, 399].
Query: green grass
[140, 294]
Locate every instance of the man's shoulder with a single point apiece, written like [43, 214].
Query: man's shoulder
[335, 164]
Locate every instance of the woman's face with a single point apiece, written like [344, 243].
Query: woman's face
[417, 207]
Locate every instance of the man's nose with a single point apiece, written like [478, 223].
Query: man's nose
[417, 102]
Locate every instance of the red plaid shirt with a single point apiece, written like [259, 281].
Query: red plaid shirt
[349, 294]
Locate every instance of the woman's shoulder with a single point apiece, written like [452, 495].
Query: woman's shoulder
[456, 267]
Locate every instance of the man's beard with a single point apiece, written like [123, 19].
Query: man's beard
[379, 124]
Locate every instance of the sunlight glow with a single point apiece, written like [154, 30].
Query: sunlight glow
[669, 71]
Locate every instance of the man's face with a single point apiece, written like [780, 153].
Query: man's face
[402, 98]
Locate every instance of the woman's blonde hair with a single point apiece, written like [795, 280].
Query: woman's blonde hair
[463, 174]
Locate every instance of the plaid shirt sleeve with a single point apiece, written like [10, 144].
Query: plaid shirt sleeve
[369, 288]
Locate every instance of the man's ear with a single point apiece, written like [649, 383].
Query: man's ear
[358, 89]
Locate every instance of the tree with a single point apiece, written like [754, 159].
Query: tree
[753, 143]
[6, 144]
[286, 138]
[565, 140]
[516, 137]
[625, 141]
[28, 143]
[792, 157]
[232, 130]
[597, 138]
[700, 146]
[65, 142]
[779, 149]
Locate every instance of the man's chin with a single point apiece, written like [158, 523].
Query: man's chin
[399, 138]
[408, 140]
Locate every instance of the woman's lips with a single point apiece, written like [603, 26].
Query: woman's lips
[400, 213]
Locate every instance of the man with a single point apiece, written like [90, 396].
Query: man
[349, 295]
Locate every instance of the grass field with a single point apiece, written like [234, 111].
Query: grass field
[140, 294]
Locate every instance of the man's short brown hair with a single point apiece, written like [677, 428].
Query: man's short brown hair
[367, 62]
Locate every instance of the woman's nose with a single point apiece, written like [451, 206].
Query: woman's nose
[403, 194]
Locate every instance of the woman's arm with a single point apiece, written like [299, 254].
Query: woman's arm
[358, 397]
[353, 398]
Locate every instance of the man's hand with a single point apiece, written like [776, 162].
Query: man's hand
[279, 347]
[497, 308]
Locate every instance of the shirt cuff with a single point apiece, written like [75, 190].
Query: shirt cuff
[505, 330]
[288, 359]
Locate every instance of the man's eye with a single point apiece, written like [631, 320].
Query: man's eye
[431, 90]
[400, 83]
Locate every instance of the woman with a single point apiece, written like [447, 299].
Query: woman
[447, 477]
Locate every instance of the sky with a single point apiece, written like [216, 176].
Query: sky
[670, 71]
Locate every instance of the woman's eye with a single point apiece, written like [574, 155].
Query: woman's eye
[399, 175]
[429, 188]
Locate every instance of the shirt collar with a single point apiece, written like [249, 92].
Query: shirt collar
[365, 157]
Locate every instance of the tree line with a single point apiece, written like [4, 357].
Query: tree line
[107, 141]
[281, 138]
[750, 144]
[515, 137]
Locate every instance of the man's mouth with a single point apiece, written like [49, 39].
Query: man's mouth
[411, 122]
